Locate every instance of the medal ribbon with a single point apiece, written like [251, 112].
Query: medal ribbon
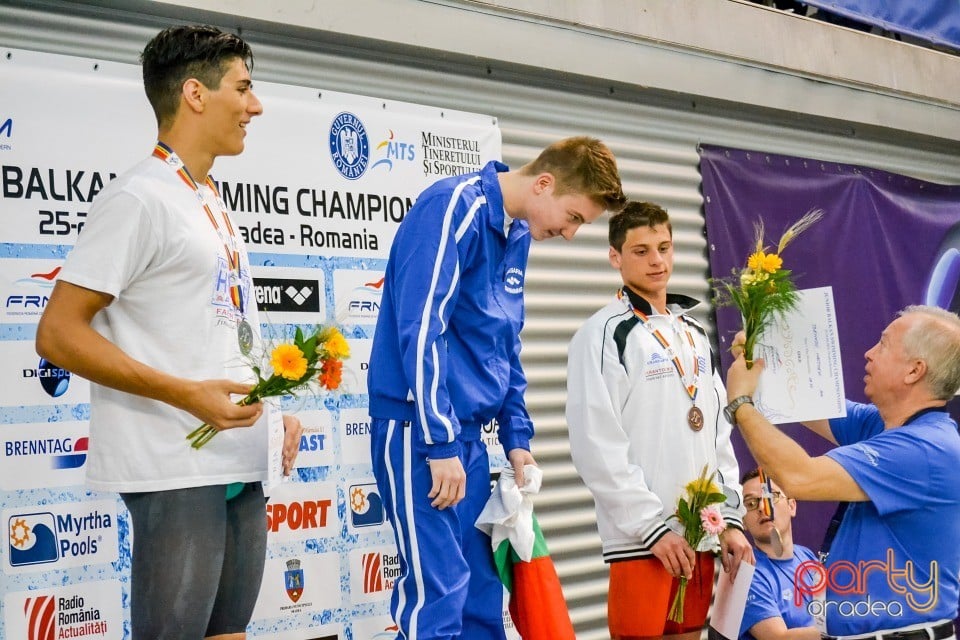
[690, 388]
[229, 241]
[766, 494]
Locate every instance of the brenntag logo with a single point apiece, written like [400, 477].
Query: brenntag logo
[43, 455]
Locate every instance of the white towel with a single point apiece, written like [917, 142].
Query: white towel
[508, 514]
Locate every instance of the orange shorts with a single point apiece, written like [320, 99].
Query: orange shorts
[641, 593]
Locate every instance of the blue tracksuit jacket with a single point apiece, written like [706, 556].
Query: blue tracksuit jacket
[446, 350]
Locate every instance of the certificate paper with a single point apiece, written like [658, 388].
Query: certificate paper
[730, 600]
[274, 444]
[803, 378]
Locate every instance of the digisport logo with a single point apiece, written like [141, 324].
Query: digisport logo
[366, 506]
[33, 539]
[287, 294]
[54, 380]
[349, 146]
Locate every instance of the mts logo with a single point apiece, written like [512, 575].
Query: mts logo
[6, 128]
[401, 150]
[295, 516]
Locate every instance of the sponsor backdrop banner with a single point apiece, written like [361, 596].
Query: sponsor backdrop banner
[886, 241]
[317, 196]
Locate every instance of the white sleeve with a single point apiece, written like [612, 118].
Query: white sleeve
[728, 469]
[597, 386]
[116, 245]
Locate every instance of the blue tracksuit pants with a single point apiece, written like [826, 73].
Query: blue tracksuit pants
[448, 586]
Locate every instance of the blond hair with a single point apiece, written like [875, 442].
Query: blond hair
[581, 165]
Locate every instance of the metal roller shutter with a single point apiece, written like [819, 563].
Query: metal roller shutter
[655, 139]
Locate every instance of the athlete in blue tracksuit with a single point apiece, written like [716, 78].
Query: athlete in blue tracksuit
[445, 361]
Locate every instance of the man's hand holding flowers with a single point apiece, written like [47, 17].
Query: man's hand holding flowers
[308, 360]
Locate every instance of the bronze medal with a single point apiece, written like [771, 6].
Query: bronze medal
[695, 418]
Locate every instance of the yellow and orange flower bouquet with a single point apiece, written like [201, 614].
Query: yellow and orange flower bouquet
[763, 289]
[293, 367]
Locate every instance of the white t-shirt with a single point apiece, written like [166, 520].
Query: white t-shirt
[148, 243]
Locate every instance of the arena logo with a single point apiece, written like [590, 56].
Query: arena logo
[293, 580]
[349, 145]
[394, 151]
[365, 300]
[843, 577]
[64, 453]
[286, 294]
[72, 536]
[366, 506]
[380, 570]
[54, 380]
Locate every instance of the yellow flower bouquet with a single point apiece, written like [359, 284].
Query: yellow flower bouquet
[699, 517]
[293, 367]
[763, 290]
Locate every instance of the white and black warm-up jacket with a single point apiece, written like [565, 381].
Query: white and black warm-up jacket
[627, 415]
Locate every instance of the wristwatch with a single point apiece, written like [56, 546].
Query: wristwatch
[730, 411]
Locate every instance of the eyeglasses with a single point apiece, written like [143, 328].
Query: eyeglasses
[752, 503]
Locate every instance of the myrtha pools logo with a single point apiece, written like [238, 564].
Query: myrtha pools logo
[69, 535]
[349, 145]
[366, 506]
[33, 539]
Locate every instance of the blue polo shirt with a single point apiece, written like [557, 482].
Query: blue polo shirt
[772, 593]
[896, 558]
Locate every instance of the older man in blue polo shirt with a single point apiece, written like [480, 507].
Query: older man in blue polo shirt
[892, 572]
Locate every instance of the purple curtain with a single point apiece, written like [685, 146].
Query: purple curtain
[936, 21]
[886, 241]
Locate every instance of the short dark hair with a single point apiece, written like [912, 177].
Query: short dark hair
[635, 214]
[750, 475]
[179, 53]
